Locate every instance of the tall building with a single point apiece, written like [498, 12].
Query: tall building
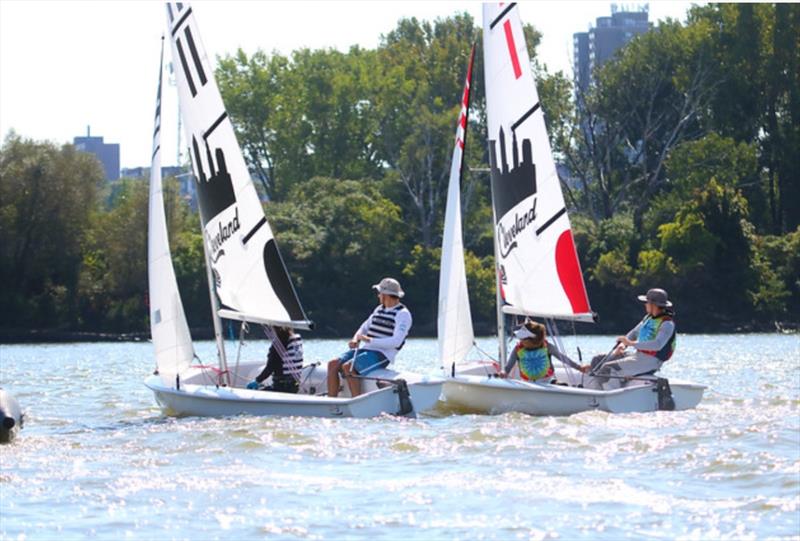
[594, 48]
[186, 182]
[108, 154]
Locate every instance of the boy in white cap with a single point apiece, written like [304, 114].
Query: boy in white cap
[383, 334]
[653, 339]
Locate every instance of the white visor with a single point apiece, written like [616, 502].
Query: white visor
[522, 333]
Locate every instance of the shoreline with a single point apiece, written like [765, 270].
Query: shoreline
[51, 336]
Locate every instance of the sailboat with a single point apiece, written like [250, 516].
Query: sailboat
[538, 272]
[248, 281]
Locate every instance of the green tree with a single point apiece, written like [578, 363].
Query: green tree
[46, 196]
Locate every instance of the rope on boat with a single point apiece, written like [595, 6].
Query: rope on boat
[282, 353]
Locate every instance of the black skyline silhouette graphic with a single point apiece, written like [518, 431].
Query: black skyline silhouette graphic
[215, 191]
[510, 186]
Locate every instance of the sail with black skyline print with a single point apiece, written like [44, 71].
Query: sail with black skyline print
[251, 279]
[537, 264]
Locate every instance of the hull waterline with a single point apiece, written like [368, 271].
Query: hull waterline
[489, 395]
[205, 400]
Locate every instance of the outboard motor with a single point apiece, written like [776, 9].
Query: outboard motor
[11, 418]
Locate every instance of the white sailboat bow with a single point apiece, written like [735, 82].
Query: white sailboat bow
[248, 275]
[537, 263]
[168, 326]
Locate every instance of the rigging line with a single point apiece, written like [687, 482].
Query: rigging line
[242, 333]
[553, 330]
[485, 366]
[282, 353]
[475, 344]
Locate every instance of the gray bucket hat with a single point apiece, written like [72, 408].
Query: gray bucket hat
[656, 296]
[389, 286]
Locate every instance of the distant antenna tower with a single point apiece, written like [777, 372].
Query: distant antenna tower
[173, 82]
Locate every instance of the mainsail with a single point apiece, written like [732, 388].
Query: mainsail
[168, 327]
[539, 272]
[251, 278]
[455, 321]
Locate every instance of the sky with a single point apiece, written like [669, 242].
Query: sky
[66, 65]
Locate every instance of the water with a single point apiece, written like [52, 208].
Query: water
[97, 460]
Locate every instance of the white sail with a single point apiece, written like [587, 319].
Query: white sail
[455, 320]
[537, 262]
[250, 276]
[168, 327]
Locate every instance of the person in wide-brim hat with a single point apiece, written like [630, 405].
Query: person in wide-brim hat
[376, 342]
[653, 340]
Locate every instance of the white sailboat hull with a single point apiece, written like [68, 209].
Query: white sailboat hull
[205, 400]
[492, 395]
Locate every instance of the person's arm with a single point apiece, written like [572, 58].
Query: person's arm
[661, 339]
[273, 365]
[360, 333]
[402, 325]
[555, 352]
[633, 334]
[511, 361]
[628, 339]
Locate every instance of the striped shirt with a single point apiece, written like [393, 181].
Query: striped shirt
[388, 329]
[283, 370]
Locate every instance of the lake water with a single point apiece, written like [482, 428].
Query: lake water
[97, 460]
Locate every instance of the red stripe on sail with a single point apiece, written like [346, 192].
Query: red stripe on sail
[512, 49]
[569, 273]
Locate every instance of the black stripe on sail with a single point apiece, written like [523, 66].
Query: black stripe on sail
[256, 227]
[196, 149]
[156, 151]
[280, 282]
[195, 56]
[181, 21]
[180, 5]
[524, 117]
[158, 128]
[216, 123]
[169, 12]
[185, 65]
[502, 14]
[549, 222]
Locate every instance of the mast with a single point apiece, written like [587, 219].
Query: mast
[212, 295]
[501, 317]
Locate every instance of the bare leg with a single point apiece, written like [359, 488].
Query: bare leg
[333, 378]
[353, 383]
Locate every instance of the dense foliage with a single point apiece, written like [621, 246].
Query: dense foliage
[683, 160]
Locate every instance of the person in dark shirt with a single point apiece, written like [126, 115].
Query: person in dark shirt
[284, 369]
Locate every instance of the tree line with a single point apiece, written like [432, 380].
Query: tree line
[681, 160]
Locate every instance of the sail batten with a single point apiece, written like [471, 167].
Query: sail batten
[455, 333]
[168, 327]
[248, 270]
[538, 268]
